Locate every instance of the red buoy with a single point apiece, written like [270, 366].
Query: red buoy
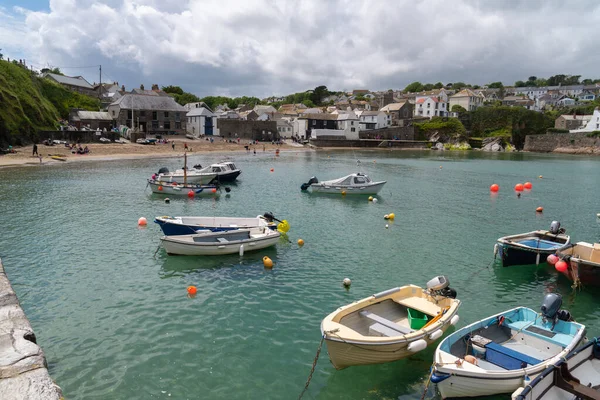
[561, 266]
[160, 188]
[191, 194]
[539, 209]
[494, 188]
[552, 259]
[214, 190]
[191, 290]
[527, 185]
[519, 187]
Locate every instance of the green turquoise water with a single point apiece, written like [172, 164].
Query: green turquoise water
[112, 313]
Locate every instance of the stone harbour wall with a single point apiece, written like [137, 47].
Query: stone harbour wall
[23, 368]
[574, 143]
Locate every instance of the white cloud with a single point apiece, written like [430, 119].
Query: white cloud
[265, 47]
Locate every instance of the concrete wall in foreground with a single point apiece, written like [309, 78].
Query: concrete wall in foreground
[562, 142]
[23, 368]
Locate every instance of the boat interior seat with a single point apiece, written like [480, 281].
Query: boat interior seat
[222, 240]
[507, 358]
[386, 323]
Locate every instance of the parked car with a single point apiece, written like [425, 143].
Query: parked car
[146, 141]
[105, 140]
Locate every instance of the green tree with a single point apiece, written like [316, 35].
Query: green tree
[172, 89]
[308, 103]
[428, 86]
[458, 109]
[495, 85]
[438, 85]
[414, 87]
[541, 82]
[459, 85]
[318, 94]
[520, 84]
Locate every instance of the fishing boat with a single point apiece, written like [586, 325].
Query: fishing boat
[583, 263]
[499, 353]
[191, 176]
[226, 171]
[224, 242]
[356, 183]
[173, 226]
[531, 247]
[577, 376]
[184, 189]
[390, 325]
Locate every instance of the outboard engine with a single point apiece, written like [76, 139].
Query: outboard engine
[163, 170]
[306, 185]
[555, 227]
[439, 286]
[551, 309]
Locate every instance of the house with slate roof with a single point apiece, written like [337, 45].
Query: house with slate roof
[467, 99]
[74, 83]
[200, 121]
[152, 113]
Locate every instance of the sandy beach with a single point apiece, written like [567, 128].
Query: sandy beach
[114, 151]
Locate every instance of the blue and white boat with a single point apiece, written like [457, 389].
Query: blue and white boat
[174, 226]
[575, 377]
[531, 247]
[503, 352]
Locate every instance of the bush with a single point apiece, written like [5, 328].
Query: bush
[442, 125]
[594, 134]
[557, 130]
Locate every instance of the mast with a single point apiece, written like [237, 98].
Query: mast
[184, 168]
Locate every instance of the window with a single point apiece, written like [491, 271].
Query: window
[113, 113]
[154, 124]
[314, 122]
[177, 117]
[427, 112]
[352, 129]
[177, 125]
[142, 113]
[128, 123]
[428, 105]
[154, 118]
[166, 114]
[129, 114]
[167, 124]
[351, 122]
[359, 180]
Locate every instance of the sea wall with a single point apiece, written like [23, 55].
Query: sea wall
[575, 143]
[392, 132]
[333, 142]
[23, 368]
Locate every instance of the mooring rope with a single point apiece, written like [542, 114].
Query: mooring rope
[312, 370]
[428, 381]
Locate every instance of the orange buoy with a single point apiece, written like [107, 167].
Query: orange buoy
[214, 190]
[160, 188]
[272, 169]
[519, 187]
[267, 262]
[561, 266]
[527, 185]
[300, 242]
[191, 290]
[494, 188]
[142, 221]
[470, 359]
[191, 194]
[539, 209]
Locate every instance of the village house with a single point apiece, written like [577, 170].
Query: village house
[398, 113]
[372, 119]
[593, 124]
[92, 120]
[467, 99]
[75, 83]
[430, 107]
[200, 121]
[587, 95]
[151, 113]
[571, 122]
[260, 110]
[442, 96]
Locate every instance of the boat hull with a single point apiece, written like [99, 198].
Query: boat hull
[183, 190]
[175, 226]
[202, 179]
[174, 247]
[367, 189]
[530, 248]
[228, 176]
[584, 272]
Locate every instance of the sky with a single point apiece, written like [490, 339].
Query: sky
[276, 47]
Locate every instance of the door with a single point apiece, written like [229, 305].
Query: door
[208, 126]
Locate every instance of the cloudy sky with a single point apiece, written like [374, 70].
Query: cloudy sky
[273, 47]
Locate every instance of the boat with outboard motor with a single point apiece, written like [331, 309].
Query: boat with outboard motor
[500, 353]
[181, 189]
[173, 226]
[390, 325]
[189, 175]
[226, 171]
[583, 263]
[218, 243]
[577, 376]
[531, 247]
[356, 183]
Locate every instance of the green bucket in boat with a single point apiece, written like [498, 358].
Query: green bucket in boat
[417, 319]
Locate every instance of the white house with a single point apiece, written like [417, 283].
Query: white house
[348, 122]
[467, 99]
[592, 125]
[260, 110]
[430, 107]
[372, 119]
[201, 121]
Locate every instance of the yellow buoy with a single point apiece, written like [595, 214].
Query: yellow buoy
[283, 226]
[268, 263]
[392, 216]
[300, 242]
[343, 192]
[370, 198]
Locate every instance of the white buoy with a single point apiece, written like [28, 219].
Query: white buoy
[386, 226]
[454, 320]
[241, 250]
[375, 200]
[347, 282]
[436, 335]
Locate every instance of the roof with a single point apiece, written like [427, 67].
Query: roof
[342, 116]
[150, 92]
[393, 106]
[424, 99]
[196, 112]
[312, 111]
[369, 113]
[465, 93]
[131, 101]
[70, 80]
[328, 117]
[96, 115]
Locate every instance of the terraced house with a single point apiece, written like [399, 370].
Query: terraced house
[152, 111]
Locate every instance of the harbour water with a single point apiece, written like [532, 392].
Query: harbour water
[112, 313]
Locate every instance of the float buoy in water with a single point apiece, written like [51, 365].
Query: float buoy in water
[528, 185]
[392, 216]
[561, 266]
[300, 242]
[386, 216]
[494, 188]
[142, 221]
[371, 199]
[552, 259]
[539, 209]
[267, 262]
[343, 192]
[374, 200]
[192, 290]
[519, 187]
[347, 282]
[191, 194]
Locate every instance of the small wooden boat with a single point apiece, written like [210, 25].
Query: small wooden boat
[499, 353]
[577, 376]
[217, 243]
[59, 158]
[583, 261]
[226, 171]
[190, 176]
[173, 226]
[390, 325]
[180, 189]
[531, 247]
[357, 183]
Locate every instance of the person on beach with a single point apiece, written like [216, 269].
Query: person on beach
[35, 150]
[185, 145]
[173, 144]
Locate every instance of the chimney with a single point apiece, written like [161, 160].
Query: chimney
[123, 87]
[155, 88]
[142, 86]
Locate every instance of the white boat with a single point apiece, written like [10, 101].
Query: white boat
[226, 171]
[172, 226]
[180, 189]
[390, 325]
[356, 183]
[224, 242]
[190, 176]
[503, 352]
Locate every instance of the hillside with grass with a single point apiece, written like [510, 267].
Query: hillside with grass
[29, 103]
